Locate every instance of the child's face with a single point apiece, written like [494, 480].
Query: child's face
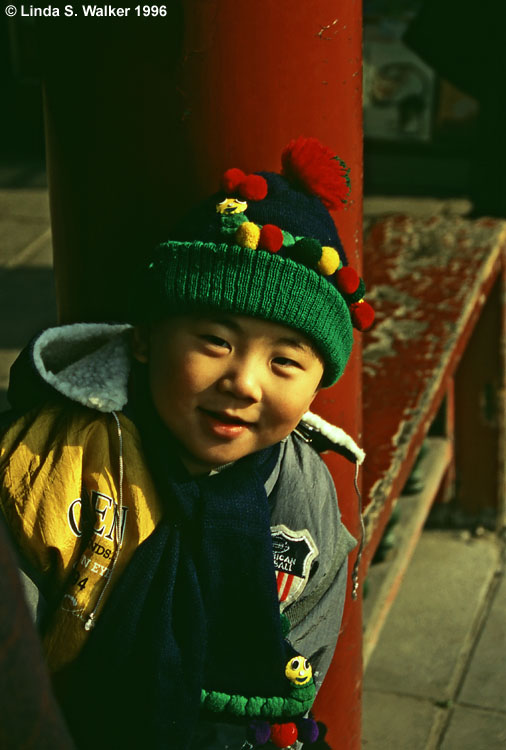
[227, 386]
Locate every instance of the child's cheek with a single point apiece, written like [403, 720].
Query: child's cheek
[288, 408]
[196, 373]
[285, 413]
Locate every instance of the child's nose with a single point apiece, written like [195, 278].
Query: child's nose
[243, 382]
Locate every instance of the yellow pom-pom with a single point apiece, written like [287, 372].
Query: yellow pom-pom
[329, 262]
[248, 235]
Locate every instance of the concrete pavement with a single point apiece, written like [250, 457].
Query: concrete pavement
[437, 679]
[27, 300]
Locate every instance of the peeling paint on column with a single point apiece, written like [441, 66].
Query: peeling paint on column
[424, 278]
[327, 29]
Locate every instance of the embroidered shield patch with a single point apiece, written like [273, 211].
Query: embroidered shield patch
[294, 551]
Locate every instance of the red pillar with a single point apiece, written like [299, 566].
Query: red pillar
[142, 119]
[255, 78]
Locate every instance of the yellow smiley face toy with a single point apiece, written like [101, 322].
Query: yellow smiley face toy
[231, 206]
[299, 670]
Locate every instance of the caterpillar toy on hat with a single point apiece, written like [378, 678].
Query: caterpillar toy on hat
[267, 246]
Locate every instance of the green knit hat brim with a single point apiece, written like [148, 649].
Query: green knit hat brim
[203, 276]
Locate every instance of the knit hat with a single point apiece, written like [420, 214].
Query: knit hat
[266, 246]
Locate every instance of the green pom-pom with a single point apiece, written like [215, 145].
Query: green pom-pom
[254, 706]
[288, 239]
[272, 708]
[306, 251]
[357, 295]
[293, 707]
[304, 693]
[301, 699]
[237, 705]
[216, 701]
[285, 624]
[231, 222]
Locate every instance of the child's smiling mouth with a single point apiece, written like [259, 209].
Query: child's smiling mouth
[225, 425]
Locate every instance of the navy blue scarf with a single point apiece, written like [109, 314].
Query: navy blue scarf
[196, 607]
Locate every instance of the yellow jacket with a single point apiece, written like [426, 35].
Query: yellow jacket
[59, 471]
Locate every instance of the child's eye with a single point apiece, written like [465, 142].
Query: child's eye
[216, 341]
[285, 362]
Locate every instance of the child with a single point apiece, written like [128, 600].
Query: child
[163, 502]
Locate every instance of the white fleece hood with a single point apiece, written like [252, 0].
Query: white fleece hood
[87, 362]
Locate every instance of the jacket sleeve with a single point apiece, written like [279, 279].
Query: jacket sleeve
[304, 497]
[29, 715]
[32, 584]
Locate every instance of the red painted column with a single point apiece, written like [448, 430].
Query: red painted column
[141, 121]
[252, 83]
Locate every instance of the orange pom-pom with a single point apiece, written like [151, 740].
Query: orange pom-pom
[362, 315]
[329, 261]
[253, 187]
[284, 735]
[347, 280]
[314, 167]
[271, 238]
[231, 179]
[248, 235]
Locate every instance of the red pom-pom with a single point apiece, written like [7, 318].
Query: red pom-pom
[362, 316]
[283, 735]
[271, 238]
[311, 165]
[231, 179]
[253, 187]
[347, 280]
